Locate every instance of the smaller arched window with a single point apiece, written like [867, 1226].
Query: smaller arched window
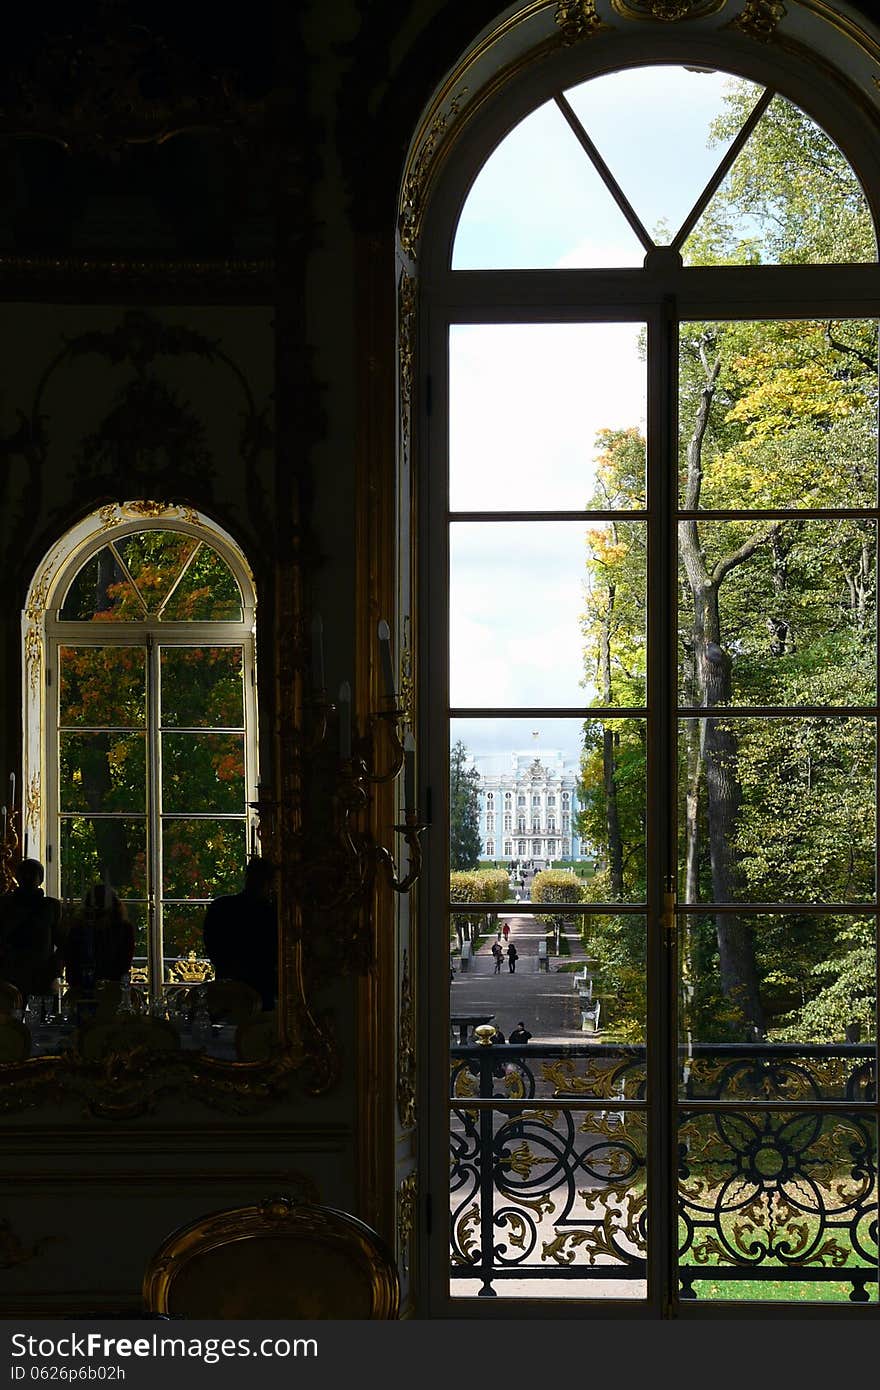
[141, 738]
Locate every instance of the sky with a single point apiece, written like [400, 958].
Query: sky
[527, 400]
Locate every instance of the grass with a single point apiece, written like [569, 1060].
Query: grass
[774, 1291]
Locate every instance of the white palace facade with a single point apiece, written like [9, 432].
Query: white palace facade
[528, 806]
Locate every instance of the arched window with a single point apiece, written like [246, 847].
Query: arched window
[141, 728]
[650, 301]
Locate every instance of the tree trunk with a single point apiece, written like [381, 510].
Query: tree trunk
[612, 813]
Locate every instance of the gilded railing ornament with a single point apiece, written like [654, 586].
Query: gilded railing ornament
[191, 970]
[759, 18]
[579, 19]
[406, 328]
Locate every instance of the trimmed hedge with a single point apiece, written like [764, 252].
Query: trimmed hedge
[476, 886]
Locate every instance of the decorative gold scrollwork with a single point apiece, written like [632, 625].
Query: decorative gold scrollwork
[578, 19]
[406, 1051]
[667, 11]
[418, 177]
[407, 1194]
[759, 19]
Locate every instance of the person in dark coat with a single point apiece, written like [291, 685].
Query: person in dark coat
[100, 943]
[30, 933]
[520, 1034]
[241, 933]
[512, 957]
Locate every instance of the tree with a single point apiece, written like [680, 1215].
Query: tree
[772, 612]
[464, 811]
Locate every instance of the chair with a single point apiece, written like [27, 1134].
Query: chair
[280, 1259]
[98, 1038]
[231, 1001]
[15, 1040]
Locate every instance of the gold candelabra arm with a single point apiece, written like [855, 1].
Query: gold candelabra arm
[390, 719]
[411, 830]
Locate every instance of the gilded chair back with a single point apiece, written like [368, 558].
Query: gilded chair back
[15, 1039]
[231, 1001]
[280, 1259]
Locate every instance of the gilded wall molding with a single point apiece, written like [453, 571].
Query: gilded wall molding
[413, 198]
[407, 1194]
[406, 1050]
[759, 19]
[406, 328]
[578, 19]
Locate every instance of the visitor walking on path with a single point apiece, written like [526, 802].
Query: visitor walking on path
[506, 930]
[497, 953]
[512, 956]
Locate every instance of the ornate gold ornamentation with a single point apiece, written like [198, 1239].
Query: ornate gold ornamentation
[578, 19]
[33, 655]
[191, 971]
[140, 975]
[33, 802]
[418, 176]
[39, 595]
[406, 1051]
[667, 11]
[466, 1239]
[119, 84]
[14, 1252]
[149, 511]
[407, 686]
[406, 328]
[407, 1194]
[522, 1160]
[759, 19]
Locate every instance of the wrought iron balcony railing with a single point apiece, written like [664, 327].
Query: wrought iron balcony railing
[777, 1170]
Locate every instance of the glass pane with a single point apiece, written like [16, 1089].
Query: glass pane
[207, 592]
[538, 202]
[182, 931]
[790, 197]
[663, 131]
[593, 829]
[203, 772]
[101, 592]
[98, 850]
[202, 687]
[778, 1206]
[102, 687]
[548, 415]
[102, 772]
[567, 1217]
[795, 620]
[792, 418]
[578, 978]
[522, 631]
[154, 560]
[817, 990]
[776, 810]
[202, 858]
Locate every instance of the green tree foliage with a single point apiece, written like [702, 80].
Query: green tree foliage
[476, 886]
[102, 741]
[772, 612]
[464, 811]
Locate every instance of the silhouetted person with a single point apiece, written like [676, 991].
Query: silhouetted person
[100, 943]
[30, 933]
[520, 1034]
[241, 933]
[512, 957]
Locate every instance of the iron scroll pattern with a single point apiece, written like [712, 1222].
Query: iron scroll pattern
[777, 1169]
[543, 1190]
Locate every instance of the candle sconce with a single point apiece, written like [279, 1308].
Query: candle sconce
[333, 860]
